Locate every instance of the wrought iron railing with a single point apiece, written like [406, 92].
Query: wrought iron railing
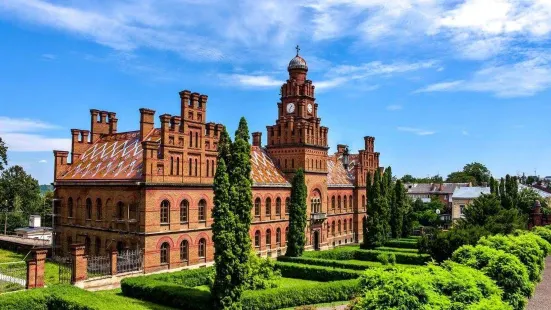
[129, 260]
[13, 276]
[99, 266]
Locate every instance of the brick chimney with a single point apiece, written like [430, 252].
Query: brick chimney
[257, 139]
[147, 122]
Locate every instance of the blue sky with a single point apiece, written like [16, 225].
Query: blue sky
[438, 83]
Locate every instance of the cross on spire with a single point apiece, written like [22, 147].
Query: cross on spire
[297, 48]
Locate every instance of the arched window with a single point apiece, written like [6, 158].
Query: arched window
[88, 208]
[345, 227]
[190, 141]
[70, 207]
[333, 203]
[165, 252]
[184, 251]
[287, 202]
[350, 224]
[278, 236]
[120, 210]
[363, 202]
[339, 227]
[98, 246]
[345, 204]
[339, 204]
[184, 211]
[268, 237]
[268, 206]
[257, 207]
[350, 204]
[165, 212]
[333, 228]
[196, 139]
[202, 248]
[286, 234]
[328, 230]
[99, 211]
[202, 210]
[278, 206]
[257, 239]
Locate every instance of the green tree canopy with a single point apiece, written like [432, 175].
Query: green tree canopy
[478, 171]
[461, 177]
[3, 155]
[297, 216]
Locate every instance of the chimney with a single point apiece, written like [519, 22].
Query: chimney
[112, 117]
[257, 139]
[147, 122]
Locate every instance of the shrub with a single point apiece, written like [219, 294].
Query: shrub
[315, 273]
[404, 244]
[543, 232]
[401, 258]
[387, 258]
[264, 274]
[340, 253]
[504, 268]
[451, 286]
[523, 247]
[186, 278]
[401, 250]
[441, 245]
[355, 265]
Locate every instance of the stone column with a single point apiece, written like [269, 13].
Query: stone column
[35, 269]
[80, 263]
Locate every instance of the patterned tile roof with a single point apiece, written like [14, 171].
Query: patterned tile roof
[264, 171]
[470, 192]
[337, 175]
[113, 157]
[434, 188]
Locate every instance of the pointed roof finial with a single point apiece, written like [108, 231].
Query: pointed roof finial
[297, 48]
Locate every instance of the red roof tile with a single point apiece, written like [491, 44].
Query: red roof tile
[264, 171]
[337, 175]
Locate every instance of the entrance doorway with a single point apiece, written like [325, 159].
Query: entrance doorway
[316, 240]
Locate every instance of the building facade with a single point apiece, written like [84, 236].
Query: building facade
[151, 189]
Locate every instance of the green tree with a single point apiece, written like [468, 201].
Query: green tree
[408, 217]
[297, 216]
[388, 192]
[478, 171]
[461, 177]
[19, 195]
[398, 210]
[408, 178]
[226, 290]
[527, 198]
[241, 200]
[477, 213]
[376, 234]
[3, 155]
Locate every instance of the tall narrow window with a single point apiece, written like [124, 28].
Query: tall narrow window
[184, 211]
[165, 252]
[99, 211]
[333, 228]
[202, 248]
[333, 203]
[350, 203]
[88, 208]
[345, 227]
[268, 237]
[257, 207]
[287, 202]
[196, 139]
[165, 212]
[202, 210]
[350, 224]
[363, 202]
[345, 204]
[278, 206]
[196, 167]
[286, 234]
[339, 227]
[190, 168]
[171, 165]
[339, 203]
[257, 239]
[120, 210]
[184, 251]
[97, 246]
[212, 168]
[268, 207]
[177, 165]
[208, 166]
[190, 139]
[87, 245]
[278, 236]
[70, 207]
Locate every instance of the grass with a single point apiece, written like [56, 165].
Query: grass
[9, 256]
[115, 297]
[51, 274]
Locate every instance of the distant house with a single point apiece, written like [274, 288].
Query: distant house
[463, 196]
[34, 230]
[425, 191]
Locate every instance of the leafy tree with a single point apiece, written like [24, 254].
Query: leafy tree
[531, 179]
[527, 198]
[19, 195]
[461, 177]
[297, 216]
[478, 212]
[376, 234]
[226, 289]
[3, 155]
[241, 200]
[388, 192]
[478, 171]
[398, 210]
[408, 217]
[408, 178]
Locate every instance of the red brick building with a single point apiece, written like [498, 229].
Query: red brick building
[152, 188]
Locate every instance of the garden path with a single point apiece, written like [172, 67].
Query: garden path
[542, 298]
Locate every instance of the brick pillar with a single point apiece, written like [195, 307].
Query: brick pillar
[35, 269]
[114, 254]
[80, 263]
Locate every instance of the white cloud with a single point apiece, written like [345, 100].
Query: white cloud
[251, 80]
[394, 107]
[42, 161]
[520, 79]
[417, 131]
[20, 137]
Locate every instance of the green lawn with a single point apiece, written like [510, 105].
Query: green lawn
[115, 297]
[51, 275]
[9, 256]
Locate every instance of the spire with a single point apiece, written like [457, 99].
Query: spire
[297, 48]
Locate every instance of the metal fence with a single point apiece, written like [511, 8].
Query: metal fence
[129, 260]
[13, 276]
[62, 267]
[99, 266]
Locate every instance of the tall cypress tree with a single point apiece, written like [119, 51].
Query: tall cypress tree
[297, 216]
[398, 210]
[241, 200]
[368, 186]
[493, 190]
[375, 220]
[226, 290]
[388, 193]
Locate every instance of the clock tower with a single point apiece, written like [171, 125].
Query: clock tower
[297, 140]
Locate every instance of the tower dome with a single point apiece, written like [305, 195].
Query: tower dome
[297, 62]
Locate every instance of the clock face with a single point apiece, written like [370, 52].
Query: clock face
[290, 108]
[310, 108]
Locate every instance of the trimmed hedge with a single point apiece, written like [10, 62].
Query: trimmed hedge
[354, 265]
[368, 255]
[402, 250]
[186, 278]
[315, 273]
[402, 244]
